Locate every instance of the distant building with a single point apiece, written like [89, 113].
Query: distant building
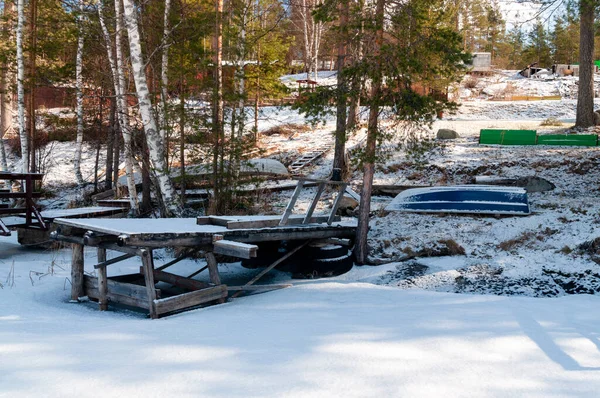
[568, 69]
[482, 62]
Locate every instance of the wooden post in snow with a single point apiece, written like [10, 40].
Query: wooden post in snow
[102, 281]
[77, 272]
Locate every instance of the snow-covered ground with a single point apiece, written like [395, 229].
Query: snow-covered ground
[340, 337]
[498, 320]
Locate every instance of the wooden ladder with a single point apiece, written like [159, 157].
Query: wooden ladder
[341, 188]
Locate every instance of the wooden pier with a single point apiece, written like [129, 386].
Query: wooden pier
[235, 236]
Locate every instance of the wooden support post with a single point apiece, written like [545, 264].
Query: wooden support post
[313, 205]
[77, 272]
[102, 281]
[336, 203]
[213, 271]
[292, 203]
[148, 267]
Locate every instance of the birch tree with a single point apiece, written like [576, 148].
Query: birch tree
[21, 87]
[164, 187]
[6, 78]
[164, 75]
[118, 78]
[79, 92]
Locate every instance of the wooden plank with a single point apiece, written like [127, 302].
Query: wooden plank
[93, 293]
[258, 287]
[76, 272]
[329, 182]
[4, 175]
[148, 268]
[274, 222]
[4, 231]
[235, 249]
[138, 292]
[179, 281]
[102, 281]
[115, 260]
[291, 203]
[213, 271]
[336, 203]
[192, 299]
[179, 258]
[270, 267]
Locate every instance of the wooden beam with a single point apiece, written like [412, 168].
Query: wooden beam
[115, 260]
[102, 281]
[76, 272]
[148, 268]
[182, 256]
[192, 299]
[258, 287]
[179, 281]
[291, 203]
[336, 203]
[271, 223]
[213, 271]
[270, 267]
[235, 249]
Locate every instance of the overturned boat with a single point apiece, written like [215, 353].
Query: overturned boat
[467, 199]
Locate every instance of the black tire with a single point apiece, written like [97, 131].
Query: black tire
[325, 250]
[319, 268]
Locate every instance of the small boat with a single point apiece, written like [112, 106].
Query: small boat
[467, 199]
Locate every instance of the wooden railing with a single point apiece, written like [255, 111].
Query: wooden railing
[26, 207]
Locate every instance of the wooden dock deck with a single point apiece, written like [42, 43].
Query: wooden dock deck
[210, 235]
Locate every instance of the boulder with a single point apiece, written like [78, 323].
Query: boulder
[535, 184]
[446, 134]
[347, 206]
[597, 118]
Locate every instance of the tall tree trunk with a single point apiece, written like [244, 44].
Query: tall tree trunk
[585, 92]
[340, 127]
[217, 106]
[165, 192]
[164, 78]
[361, 249]
[112, 132]
[31, 119]
[21, 87]
[354, 111]
[79, 90]
[182, 120]
[117, 67]
[6, 79]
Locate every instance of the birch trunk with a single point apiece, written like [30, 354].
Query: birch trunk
[217, 106]
[164, 77]
[21, 87]
[123, 108]
[165, 191]
[79, 90]
[361, 249]
[5, 91]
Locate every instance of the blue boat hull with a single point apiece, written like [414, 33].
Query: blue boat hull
[469, 199]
